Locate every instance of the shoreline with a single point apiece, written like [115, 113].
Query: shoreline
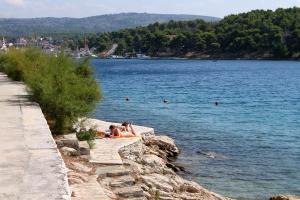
[146, 162]
[147, 171]
[203, 59]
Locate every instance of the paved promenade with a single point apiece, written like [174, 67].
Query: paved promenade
[31, 168]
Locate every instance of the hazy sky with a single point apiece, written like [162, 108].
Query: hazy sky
[82, 8]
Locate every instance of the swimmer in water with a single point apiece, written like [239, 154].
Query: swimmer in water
[216, 103]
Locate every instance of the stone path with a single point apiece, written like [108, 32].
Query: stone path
[31, 167]
[89, 190]
[120, 181]
[106, 151]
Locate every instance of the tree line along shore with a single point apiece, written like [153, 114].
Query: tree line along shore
[259, 34]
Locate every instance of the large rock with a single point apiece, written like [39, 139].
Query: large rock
[133, 152]
[191, 190]
[153, 161]
[155, 171]
[163, 147]
[84, 148]
[285, 197]
[67, 151]
[69, 140]
[158, 181]
[166, 145]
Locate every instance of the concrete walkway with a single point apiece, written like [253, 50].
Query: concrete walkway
[31, 168]
[106, 151]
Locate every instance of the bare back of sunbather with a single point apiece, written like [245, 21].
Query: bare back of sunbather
[124, 131]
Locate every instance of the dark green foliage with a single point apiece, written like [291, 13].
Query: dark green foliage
[65, 89]
[86, 135]
[259, 33]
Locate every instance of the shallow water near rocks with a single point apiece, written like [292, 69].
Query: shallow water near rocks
[246, 147]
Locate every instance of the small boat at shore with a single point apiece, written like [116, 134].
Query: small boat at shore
[115, 57]
[142, 56]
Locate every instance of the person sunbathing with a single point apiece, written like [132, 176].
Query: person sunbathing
[126, 130]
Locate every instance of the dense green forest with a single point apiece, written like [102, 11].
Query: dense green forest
[256, 34]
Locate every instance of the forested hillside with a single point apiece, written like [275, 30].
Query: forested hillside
[256, 34]
[69, 26]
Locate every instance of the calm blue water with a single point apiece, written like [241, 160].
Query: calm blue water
[253, 135]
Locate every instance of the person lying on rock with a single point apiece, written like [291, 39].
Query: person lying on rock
[126, 130]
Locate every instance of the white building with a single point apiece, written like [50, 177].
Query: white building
[4, 46]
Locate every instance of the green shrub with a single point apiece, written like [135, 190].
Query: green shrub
[65, 89]
[91, 143]
[86, 135]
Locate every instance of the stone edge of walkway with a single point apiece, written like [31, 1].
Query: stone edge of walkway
[37, 159]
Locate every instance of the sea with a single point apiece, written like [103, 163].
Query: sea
[237, 123]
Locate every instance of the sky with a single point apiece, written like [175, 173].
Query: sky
[84, 8]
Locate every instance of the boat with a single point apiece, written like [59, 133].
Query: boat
[115, 57]
[142, 56]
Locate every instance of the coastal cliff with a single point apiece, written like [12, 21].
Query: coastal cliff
[146, 170]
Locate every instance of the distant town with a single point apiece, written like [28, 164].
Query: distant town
[47, 45]
[51, 46]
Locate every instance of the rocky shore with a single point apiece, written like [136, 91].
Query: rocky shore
[285, 197]
[147, 171]
[151, 163]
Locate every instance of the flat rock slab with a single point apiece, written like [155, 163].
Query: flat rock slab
[104, 126]
[31, 168]
[106, 150]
